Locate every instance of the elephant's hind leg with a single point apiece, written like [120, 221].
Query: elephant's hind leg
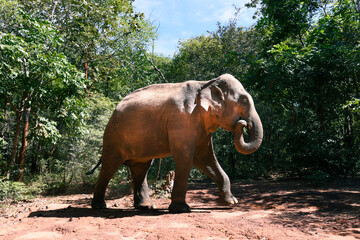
[139, 172]
[109, 167]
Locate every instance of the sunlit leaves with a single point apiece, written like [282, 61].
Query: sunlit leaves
[310, 70]
[46, 130]
[35, 77]
[353, 105]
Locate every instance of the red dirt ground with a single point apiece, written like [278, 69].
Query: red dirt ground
[266, 210]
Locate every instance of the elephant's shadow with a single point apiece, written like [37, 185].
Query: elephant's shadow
[109, 213]
[78, 212]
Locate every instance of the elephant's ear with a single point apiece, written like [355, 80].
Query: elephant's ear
[211, 99]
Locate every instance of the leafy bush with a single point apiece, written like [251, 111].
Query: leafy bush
[17, 191]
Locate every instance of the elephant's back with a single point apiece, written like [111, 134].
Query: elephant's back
[156, 96]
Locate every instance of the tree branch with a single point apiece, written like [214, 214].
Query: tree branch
[12, 105]
[156, 68]
[52, 16]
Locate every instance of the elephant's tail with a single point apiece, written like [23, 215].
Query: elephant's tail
[93, 170]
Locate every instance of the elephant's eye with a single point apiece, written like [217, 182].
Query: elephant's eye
[244, 101]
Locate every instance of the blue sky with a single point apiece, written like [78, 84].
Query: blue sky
[183, 19]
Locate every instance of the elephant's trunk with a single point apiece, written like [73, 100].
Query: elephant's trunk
[255, 132]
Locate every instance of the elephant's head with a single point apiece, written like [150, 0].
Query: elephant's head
[232, 108]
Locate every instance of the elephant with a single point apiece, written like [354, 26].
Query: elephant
[177, 119]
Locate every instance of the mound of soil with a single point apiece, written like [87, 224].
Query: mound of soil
[266, 210]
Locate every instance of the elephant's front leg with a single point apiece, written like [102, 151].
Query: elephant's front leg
[139, 172]
[183, 163]
[205, 160]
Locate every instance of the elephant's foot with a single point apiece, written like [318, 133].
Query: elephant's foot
[144, 204]
[98, 204]
[179, 208]
[227, 199]
[143, 201]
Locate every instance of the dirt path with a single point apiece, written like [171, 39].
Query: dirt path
[266, 210]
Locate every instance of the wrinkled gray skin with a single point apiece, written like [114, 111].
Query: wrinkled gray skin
[177, 119]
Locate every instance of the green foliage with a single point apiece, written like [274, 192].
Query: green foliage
[55, 57]
[121, 181]
[306, 74]
[300, 63]
[35, 77]
[17, 191]
[353, 105]
[190, 62]
[46, 130]
[87, 146]
[3, 144]
[238, 166]
[66, 64]
[227, 50]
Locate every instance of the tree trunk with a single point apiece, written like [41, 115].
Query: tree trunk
[320, 115]
[49, 160]
[86, 69]
[5, 135]
[5, 125]
[35, 160]
[15, 143]
[19, 113]
[21, 160]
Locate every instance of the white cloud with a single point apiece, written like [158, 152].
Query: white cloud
[153, 9]
[224, 14]
[166, 46]
[246, 16]
[147, 5]
[223, 11]
[186, 34]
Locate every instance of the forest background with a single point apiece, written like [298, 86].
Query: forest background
[64, 65]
